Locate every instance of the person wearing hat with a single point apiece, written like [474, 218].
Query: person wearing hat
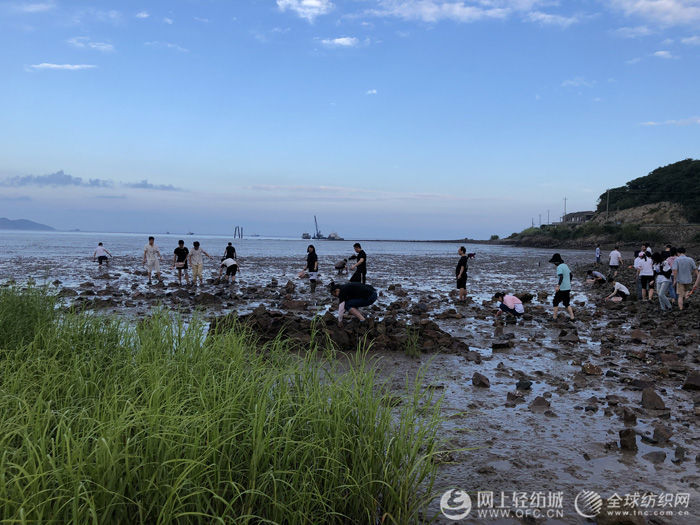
[562, 293]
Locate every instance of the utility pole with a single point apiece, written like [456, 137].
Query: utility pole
[547, 216]
[533, 222]
[564, 218]
[607, 206]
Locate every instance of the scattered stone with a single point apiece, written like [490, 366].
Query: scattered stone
[480, 380]
[655, 457]
[523, 384]
[692, 382]
[679, 455]
[539, 404]
[628, 439]
[637, 336]
[662, 434]
[591, 370]
[651, 400]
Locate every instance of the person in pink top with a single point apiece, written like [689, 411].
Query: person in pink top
[509, 304]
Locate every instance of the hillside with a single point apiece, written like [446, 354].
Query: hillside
[23, 224]
[678, 183]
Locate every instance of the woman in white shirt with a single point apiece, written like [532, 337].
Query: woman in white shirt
[620, 293]
[645, 275]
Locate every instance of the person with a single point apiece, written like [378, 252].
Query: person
[645, 275]
[684, 272]
[101, 254]
[508, 304]
[461, 273]
[342, 266]
[196, 260]
[229, 252]
[595, 277]
[360, 266]
[180, 255]
[231, 267]
[615, 261]
[352, 296]
[620, 293]
[662, 270]
[563, 289]
[597, 254]
[672, 255]
[646, 248]
[311, 266]
[152, 258]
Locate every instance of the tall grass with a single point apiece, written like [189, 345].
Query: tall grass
[102, 422]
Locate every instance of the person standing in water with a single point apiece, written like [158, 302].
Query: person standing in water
[311, 267]
[230, 252]
[101, 254]
[196, 260]
[352, 296]
[360, 266]
[563, 289]
[461, 273]
[152, 258]
[180, 261]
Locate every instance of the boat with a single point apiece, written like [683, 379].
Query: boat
[305, 235]
[319, 236]
[334, 237]
[190, 233]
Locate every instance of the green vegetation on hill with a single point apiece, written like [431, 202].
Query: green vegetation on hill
[104, 422]
[612, 232]
[678, 182]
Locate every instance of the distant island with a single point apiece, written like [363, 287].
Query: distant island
[23, 224]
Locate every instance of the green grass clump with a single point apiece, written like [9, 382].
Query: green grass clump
[104, 422]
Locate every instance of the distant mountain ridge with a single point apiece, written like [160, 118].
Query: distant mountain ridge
[23, 224]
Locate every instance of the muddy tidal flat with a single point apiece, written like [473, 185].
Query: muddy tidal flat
[606, 403]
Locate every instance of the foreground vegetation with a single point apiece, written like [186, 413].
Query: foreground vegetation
[102, 422]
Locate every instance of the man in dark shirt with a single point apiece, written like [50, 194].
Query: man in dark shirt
[230, 252]
[360, 266]
[461, 273]
[180, 261]
[352, 296]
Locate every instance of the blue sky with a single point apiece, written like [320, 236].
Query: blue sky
[387, 118]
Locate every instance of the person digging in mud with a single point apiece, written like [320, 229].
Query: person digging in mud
[196, 260]
[231, 267]
[596, 278]
[342, 266]
[152, 258]
[311, 267]
[101, 254]
[509, 304]
[620, 293]
[180, 261]
[360, 266]
[352, 296]
[562, 291]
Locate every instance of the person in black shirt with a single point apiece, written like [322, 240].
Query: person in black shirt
[311, 267]
[352, 296]
[461, 273]
[230, 252]
[180, 261]
[360, 266]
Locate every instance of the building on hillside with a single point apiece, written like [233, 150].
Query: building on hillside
[578, 217]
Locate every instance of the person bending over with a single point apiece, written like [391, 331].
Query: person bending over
[595, 277]
[101, 254]
[509, 304]
[620, 293]
[351, 297]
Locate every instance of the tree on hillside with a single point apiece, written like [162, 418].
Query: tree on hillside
[678, 182]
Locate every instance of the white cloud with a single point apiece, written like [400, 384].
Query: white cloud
[548, 19]
[142, 14]
[343, 41]
[436, 10]
[40, 7]
[307, 9]
[633, 32]
[634, 60]
[682, 122]
[85, 42]
[667, 55]
[691, 41]
[63, 67]
[371, 92]
[578, 82]
[167, 45]
[168, 21]
[663, 12]
[203, 20]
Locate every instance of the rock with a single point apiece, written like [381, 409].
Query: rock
[637, 336]
[67, 292]
[610, 514]
[651, 400]
[628, 439]
[542, 296]
[525, 297]
[480, 380]
[568, 337]
[502, 344]
[523, 384]
[515, 397]
[539, 404]
[679, 455]
[206, 298]
[655, 457]
[692, 382]
[591, 370]
[290, 287]
[662, 434]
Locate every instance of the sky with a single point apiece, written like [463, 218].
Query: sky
[425, 119]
